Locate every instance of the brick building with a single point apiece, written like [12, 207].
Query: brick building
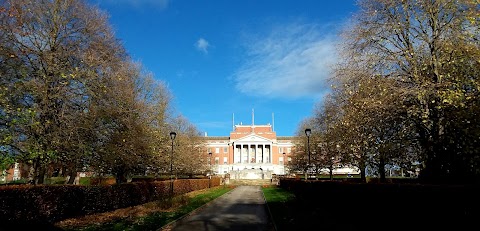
[251, 151]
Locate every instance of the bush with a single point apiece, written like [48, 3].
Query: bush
[102, 181]
[147, 179]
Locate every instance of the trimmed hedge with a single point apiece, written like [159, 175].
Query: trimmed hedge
[399, 204]
[102, 181]
[50, 203]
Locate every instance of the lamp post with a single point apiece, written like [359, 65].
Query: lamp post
[210, 169]
[284, 163]
[308, 132]
[331, 167]
[172, 137]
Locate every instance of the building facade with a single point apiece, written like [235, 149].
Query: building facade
[250, 152]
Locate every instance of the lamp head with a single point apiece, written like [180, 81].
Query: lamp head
[308, 131]
[173, 135]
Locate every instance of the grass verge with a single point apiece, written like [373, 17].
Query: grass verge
[280, 203]
[150, 216]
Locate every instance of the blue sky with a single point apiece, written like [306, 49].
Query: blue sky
[220, 58]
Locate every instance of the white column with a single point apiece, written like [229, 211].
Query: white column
[252, 152]
[259, 155]
[248, 152]
[241, 153]
[256, 153]
[263, 153]
[270, 154]
[235, 153]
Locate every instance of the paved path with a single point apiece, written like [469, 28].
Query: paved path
[243, 208]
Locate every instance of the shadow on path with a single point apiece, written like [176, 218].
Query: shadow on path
[243, 208]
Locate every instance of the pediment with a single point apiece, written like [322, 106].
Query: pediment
[253, 138]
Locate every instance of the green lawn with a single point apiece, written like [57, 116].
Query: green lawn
[156, 220]
[280, 203]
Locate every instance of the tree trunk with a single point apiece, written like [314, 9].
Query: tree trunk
[41, 174]
[56, 172]
[331, 169]
[31, 174]
[363, 176]
[331, 172]
[72, 175]
[120, 176]
[433, 171]
[381, 169]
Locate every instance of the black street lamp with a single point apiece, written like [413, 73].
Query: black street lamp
[172, 137]
[308, 132]
[284, 160]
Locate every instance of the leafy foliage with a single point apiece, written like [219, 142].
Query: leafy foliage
[72, 99]
[406, 90]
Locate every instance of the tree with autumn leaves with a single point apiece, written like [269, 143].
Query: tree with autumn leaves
[71, 99]
[407, 89]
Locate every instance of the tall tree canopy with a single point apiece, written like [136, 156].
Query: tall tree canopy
[407, 86]
[71, 98]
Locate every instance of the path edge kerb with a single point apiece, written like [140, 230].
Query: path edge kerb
[170, 224]
[269, 212]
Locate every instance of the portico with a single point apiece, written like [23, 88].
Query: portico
[252, 149]
[250, 152]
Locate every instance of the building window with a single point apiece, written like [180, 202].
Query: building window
[280, 150]
[209, 150]
[225, 150]
[289, 159]
[217, 150]
[216, 160]
[225, 160]
[289, 150]
[280, 160]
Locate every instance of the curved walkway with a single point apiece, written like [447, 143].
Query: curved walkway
[243, 208]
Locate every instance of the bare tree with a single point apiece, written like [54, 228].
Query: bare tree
[428, 51]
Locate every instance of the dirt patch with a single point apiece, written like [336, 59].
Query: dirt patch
[129, 213]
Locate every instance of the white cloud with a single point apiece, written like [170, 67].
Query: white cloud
[291, 61]
[202, 45]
